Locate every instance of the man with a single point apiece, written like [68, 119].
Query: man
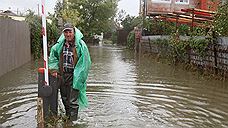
[70, 58]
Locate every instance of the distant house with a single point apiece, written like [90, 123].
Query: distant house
[190, 12]
[14, 16]
[8, 12]
[99, 38]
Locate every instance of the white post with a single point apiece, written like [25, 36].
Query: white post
[44, 33]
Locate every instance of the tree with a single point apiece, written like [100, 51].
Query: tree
[96, 16]
[129, 22]
[67, 15]
[119, 18]
[58, 7]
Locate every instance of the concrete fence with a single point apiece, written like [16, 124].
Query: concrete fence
[14, 44]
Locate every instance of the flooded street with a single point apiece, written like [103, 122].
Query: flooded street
[125, 91]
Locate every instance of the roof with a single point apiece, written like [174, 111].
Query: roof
[8, 12]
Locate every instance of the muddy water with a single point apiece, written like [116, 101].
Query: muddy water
[125, 91]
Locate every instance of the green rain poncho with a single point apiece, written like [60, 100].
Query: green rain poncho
[80, 70]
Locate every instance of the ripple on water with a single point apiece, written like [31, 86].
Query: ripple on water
[18, 106]
[147, 104]
[125, 91]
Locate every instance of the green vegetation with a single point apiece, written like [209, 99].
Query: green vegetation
[131, 40]
[68, 15]
[34, 22]
[95, 16]
[154, 27]
[35, 34]
[90, 16]
[220, 23]
[130, 22]
[199, 45]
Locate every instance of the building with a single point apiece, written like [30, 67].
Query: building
[154, 7]
[14, 16]
[11, 15]
[190, 12]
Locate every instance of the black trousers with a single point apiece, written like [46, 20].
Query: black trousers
[69, 96]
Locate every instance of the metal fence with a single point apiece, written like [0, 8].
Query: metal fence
[216, 55]
[122, 37]
[14, 44]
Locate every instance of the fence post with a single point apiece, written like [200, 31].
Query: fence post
[189, 54]
[137, 39]
[215, 51]
[150, 44]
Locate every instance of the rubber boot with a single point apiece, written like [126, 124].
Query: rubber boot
[74, 104]
[74, 114]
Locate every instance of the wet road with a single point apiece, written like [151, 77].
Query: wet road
[125, 91]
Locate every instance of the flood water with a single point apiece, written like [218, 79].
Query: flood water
[125, 91]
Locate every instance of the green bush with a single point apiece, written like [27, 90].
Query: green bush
[36, 39]
[131, 40]
[199, 45]
[221, 20]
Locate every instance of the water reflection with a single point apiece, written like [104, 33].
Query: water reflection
[18, 94]
[126, 91]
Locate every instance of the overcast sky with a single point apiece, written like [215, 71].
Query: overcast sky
[130, 6]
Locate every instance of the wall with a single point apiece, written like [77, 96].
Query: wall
[168, 6]
[14, 44]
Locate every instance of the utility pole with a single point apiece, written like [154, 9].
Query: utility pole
[38, 9]
[140, 7]
[144, 16]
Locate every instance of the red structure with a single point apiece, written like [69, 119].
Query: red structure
[210, 5]
[203, 4]
[190, 12]
[154, 7]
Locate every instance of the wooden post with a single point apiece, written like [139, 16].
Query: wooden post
[150, 44]
[192, 24]
[177, 21]
[40, 113]
[137, 39]
[215, 51]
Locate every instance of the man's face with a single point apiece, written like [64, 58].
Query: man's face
[69, 35]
